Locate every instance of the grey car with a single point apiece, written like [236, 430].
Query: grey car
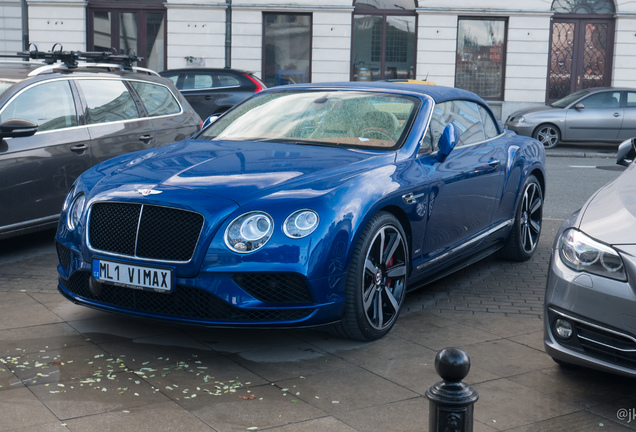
[590, 300]
[600, 114]
[57, 120]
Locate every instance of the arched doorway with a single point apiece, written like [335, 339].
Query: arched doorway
[383, 40]
[581, 46]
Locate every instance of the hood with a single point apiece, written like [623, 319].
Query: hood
[239, 171]
[610, 215]
[533, 110]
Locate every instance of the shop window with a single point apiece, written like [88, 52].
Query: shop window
[286, 48]
[383, 41]
[481, 49]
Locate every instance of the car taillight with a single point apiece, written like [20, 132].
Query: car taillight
[259, 85]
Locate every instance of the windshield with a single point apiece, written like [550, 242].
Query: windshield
[562, 103]
[333, 118]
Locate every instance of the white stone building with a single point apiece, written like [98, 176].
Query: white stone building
[514, 53]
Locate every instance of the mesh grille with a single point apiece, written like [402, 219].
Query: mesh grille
[144, 231]
[63, 254]
[184, 302]
[274, 287]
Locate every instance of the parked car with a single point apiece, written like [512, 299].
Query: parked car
[57, 121]
[305, 205]
[214, 91]
[597, 114]
[590, 302]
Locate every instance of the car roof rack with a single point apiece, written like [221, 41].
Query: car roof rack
[75, 59]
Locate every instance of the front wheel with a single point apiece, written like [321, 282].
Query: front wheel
[524, 236]
[376, 280]
[548, 135]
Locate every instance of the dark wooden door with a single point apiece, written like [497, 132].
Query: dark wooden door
[580, 55]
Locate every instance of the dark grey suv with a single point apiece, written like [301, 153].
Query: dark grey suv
[57, 120]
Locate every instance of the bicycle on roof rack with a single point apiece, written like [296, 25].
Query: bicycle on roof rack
[72, 59]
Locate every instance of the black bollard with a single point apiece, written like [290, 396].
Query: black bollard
[451, 401]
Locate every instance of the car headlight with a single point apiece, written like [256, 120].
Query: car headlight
[301, 223]
[69, 198]
[582, 253]
[75, 211]
[517, 119]
[249, 232]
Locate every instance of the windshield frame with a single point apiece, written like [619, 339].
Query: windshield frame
[323, 96]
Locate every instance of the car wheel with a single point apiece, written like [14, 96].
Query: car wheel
[524, 237]
[548, 135]
[376, 280]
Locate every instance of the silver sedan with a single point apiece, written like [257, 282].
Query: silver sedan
[590, 300]
[599, 114]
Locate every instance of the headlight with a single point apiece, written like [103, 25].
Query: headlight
[69, 198]
[582, 253]
[300, 223]
[249, 232]
[75, 211]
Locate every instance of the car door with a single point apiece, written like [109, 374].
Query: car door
[628, 127]
[463, 190]
[115, 123]
[36, 172]
[171, 122]
[597, 117]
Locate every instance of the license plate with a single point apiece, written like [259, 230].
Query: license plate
[133, 276]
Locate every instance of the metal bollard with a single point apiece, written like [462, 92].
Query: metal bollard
[451, 401]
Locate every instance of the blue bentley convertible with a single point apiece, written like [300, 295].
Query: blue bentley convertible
[306, 205]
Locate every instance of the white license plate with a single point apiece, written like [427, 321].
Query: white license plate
[133, 276]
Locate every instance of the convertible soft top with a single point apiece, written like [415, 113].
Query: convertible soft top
[438, 93]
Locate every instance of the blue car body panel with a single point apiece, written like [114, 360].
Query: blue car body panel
[450, 211]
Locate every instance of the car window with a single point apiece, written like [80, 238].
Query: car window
[197, 81]
[157, 99]
[50, 105]
[108, 101]
[631, 99]
[467, 118]
[610, 99]
[490, 127]
[227, 80]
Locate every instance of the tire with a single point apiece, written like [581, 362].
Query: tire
[376, 281]
[526, 230]
[549, 135]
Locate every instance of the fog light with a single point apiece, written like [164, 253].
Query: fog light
[563, 328]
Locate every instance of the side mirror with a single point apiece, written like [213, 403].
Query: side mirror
[16, 128]
[579, 106]
[447, 142]
[208, 121]
[626, 152]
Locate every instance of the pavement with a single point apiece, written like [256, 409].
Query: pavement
[69, 368]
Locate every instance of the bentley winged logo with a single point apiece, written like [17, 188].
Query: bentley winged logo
[146, 191]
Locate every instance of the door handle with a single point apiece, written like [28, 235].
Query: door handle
[493, 162]
[617, 114]
[145, 138]
[80, 148]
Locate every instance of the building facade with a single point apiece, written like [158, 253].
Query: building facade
[514, 53]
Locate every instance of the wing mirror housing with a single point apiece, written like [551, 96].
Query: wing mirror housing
[447, 142]
[626, 152]
[208, 121]
[579, 106]
[17, 128]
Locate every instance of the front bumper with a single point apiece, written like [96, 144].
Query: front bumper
[602, 313]
[223, 298]
[521, 128]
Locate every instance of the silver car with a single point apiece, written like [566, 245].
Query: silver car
[590, 300]
[598, 114]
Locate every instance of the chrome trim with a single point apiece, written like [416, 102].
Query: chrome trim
[598, 327]
[465, 245]
[209, 88]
